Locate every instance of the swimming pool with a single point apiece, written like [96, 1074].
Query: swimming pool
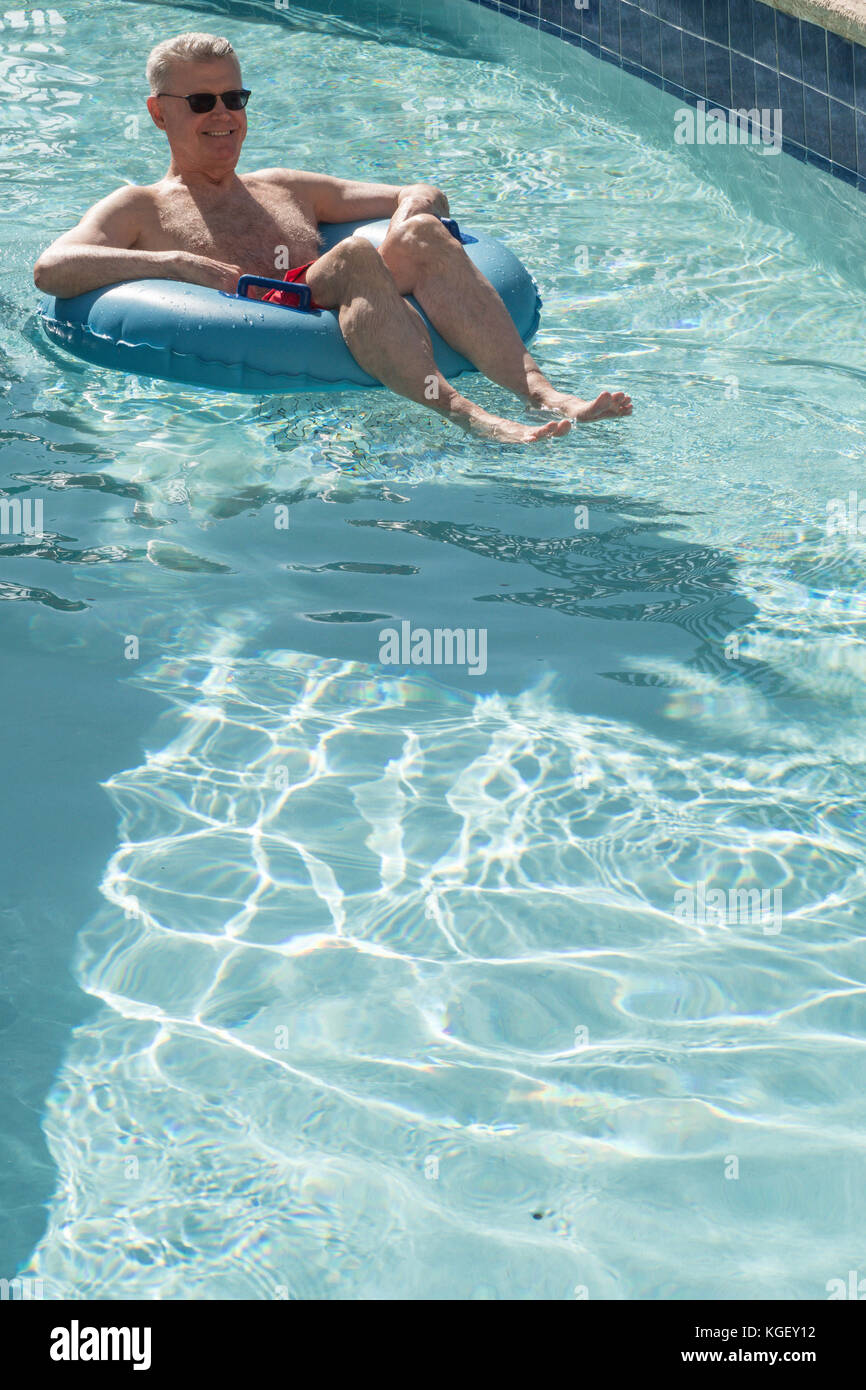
[334, 977]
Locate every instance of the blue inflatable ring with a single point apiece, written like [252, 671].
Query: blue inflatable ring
[204, 337]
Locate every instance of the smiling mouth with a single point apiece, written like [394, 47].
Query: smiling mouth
[217, 133]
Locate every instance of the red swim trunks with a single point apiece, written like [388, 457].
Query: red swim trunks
[296, 276]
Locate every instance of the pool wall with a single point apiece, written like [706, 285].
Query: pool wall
[736, 54]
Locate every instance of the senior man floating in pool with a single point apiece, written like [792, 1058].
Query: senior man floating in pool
[205, 224]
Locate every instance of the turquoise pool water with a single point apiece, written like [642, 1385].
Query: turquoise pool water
[335, 979]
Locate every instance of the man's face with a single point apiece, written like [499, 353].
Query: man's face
[210, 141]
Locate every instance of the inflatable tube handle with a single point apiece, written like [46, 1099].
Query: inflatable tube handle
[455, 231]
[304, 291]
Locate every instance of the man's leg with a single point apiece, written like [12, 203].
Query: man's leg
[429, 263]
[389, 339]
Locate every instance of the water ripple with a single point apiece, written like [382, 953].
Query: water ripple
[418, 970]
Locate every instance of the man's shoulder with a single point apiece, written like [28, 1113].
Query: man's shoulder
[131, 197]
[136, 191]
[121, 212]
[288, 178]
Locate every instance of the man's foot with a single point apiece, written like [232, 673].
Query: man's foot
[479, 422]
[606, 405]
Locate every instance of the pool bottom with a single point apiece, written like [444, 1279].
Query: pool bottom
[376, 988]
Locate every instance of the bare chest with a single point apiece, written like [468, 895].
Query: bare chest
[259, 230]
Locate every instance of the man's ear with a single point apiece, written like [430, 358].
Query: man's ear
[155, 110]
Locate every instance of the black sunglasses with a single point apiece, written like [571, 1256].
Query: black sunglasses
[200, 102]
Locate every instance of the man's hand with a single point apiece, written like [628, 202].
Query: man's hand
[201, 270]
[421, 197]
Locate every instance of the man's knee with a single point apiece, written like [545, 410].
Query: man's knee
[419, 235]
[350, 265]
[357, 257]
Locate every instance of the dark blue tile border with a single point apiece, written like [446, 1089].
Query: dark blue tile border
[843, 142]
[718, 66]
[629, 25]
[840, 61]
[716, 23]
[694, 66]
[817, 122]
[589, 20]
[764, 34]
[814, 51]
[672, 53]
[550, 12]
[742, 81]
[740, 24]
[767, 95]
[793, 117]
[788, 46]
[693, 16]
[859, 77]
[609, 25]
[734, 54]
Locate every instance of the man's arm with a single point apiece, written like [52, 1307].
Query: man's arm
[349, 200]
[100, 251]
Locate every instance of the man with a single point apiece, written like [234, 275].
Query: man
[205, 224]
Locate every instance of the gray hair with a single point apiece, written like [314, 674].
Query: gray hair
[186, 47]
